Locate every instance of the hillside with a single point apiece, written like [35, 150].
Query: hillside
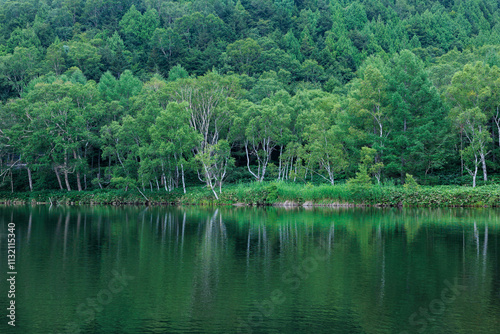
[166, 94]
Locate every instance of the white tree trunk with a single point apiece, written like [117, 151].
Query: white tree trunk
[58, 178]
[474, 177]
[182, 175]
[30, 179]
[257, 176]
[483, 162]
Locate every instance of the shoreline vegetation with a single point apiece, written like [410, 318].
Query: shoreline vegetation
[275, 194]
[174, 94]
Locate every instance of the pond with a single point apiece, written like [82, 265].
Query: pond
[251, 270]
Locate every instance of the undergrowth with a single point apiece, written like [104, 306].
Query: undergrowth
[276, 193]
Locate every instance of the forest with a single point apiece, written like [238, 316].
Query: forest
[163, 95]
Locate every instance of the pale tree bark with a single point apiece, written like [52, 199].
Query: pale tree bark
[165, 182]
[204, 96]
[473, 173]
[209, 180]
[78, 183]
[66, 180]
[30, 180]
[262, 162]
[474, 135]
[257, 176]
[65, 171]
[182, 175]
[496, 119]
[280, 164]
[58, 177]
[483, 162]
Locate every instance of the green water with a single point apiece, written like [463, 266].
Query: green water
[230, 270]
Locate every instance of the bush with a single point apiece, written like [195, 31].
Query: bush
[410, 183]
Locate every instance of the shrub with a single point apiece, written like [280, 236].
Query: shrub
[410, 183]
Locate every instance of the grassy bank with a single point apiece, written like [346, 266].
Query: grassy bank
[276, 193]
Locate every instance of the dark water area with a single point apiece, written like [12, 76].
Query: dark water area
[251, 270]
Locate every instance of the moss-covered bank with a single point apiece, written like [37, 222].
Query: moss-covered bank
[276, 193]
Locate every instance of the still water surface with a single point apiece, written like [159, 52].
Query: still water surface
[247, 270]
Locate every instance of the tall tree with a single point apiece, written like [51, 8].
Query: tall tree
[416, 142]
[475, 98]
[265, 127]
[173, 138]
[472, 122]
[324, 138]
[19, 67]
[207, 99]
[243, 54]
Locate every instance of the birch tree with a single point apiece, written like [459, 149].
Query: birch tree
[173, 138]
[265, 127]
[64, 119]
[474, 96]
[323, 141]
[371, 98]
[207, 100]
[206, 97]
[215, 161]
[121, 142]
[19, 139]
[472, 122]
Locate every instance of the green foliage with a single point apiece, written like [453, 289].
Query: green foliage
[140, 94]
[361, 183]
[243, 54]
[418, 139]
[177, 72]
[410, 183]
[19, 67]
[276, 193]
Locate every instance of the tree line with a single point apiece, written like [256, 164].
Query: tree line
[160, 94]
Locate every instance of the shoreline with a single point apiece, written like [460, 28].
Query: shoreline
[276, 194]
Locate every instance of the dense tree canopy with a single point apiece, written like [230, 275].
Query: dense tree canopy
[153, 94]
